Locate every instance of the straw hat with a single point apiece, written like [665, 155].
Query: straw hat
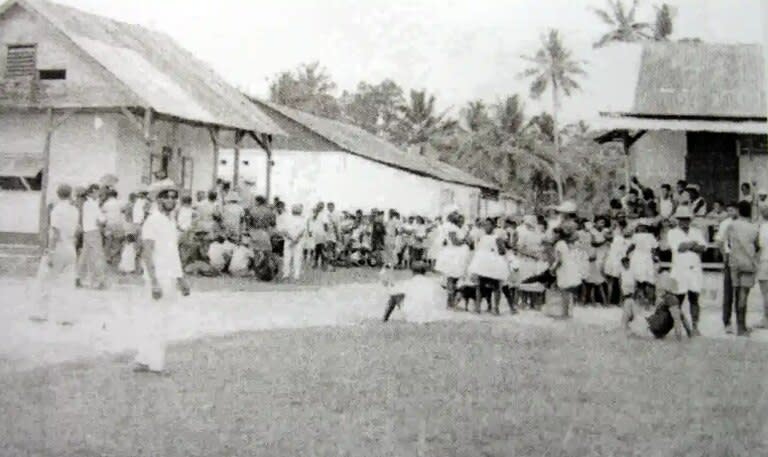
[232, 197]
[109, 180]
[566, 207]
[162, 186]
[683, 212]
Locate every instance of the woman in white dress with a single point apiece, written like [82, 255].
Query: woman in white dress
[566, 266]
[490, 266]
[616, 252]
[641, 262]
[453, 257]
[529, 247]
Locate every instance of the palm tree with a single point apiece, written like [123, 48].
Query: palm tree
[476, 116]
[663, 27]
[509, 115]
[554, 68]
[625, 28]
[419, 123]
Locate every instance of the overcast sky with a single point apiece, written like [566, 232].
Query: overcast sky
[458, 49]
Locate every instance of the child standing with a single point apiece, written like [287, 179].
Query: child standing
[628, 288]
[490, 266]
[128, 256]
[566, 266]
[419, 296]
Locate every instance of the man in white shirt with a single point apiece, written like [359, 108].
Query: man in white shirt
[114, 232]
[91, 261]
[60, 256]
[139, 210]
[725, 249]
[332, 222]
[292, 228]
[666, 203]
[687, 244]
[163, 273]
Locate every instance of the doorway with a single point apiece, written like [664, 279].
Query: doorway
[712, 162]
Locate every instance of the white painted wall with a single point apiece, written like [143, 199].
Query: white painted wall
[82, 151]
[754, 169]
[658, 157]
[350, 181]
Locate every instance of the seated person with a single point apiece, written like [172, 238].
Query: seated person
[220, 253]
[242, 259]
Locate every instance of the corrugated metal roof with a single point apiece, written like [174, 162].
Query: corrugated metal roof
[635, 123]
[360, 142]
[155, 68]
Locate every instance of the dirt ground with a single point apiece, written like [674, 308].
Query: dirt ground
[443, 389]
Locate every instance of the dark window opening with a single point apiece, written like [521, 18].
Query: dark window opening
[22, 183]
[246, 163]
[223, 162]
[52, 75]
[21, 61]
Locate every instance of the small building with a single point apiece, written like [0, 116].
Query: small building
[82, 96]
[326, 160]
[699, 114]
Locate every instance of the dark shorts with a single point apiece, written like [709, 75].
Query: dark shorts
[488, 283]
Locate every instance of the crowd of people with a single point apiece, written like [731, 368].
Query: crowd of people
[559, 255]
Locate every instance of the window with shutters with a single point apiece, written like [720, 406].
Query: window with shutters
[21, 61]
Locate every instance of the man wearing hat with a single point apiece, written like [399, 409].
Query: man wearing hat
[292, 227]
[687, 245]
[563, 212]
[163, 273]
[232, 215]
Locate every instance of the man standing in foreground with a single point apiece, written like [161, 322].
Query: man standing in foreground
[741, 237]
[687, 244]
[61, 258]
[725, 249]
[163, 273]
[92, 261]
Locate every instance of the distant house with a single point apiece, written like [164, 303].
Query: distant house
[82, 96]
[325, 160]
[699, 114]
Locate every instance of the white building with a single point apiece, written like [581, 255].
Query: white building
[325, 160]
[82, 96]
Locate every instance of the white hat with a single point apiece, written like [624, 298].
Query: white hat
[233, 197]
[452, 208]
[160, 186]
[683, 212]
[566, 207]
[762, 191]
[530, 219]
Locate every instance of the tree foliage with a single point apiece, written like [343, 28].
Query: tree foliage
[309, 88]
[623, 23]
[663, 25]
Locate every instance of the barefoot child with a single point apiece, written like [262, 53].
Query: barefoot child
[628, 284]
[566, 267]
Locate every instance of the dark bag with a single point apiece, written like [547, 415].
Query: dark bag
[660, 323]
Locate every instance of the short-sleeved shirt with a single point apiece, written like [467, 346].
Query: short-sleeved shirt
[241, 258]
[627, 281]
[231, 216]
[139, 211]
[113, 212]
[720, 235]
[292, 225]
[742, 238]
[65, 218]
[162, 230]
[92, 215]
[184, 218]
[763, 241]
[262, 217]
[666, 208]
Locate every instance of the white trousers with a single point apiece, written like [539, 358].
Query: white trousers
[153, 334]
[57, 283]
[292, 258]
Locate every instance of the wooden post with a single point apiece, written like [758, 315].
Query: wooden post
[214, 132]
[627, 174]
[44, 185]
[148, 140]
[267, 145]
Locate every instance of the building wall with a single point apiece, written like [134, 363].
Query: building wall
[85, 80]
[755, 169]
[350, 181]
[83, 149]
[659, 157]
[186, 142]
